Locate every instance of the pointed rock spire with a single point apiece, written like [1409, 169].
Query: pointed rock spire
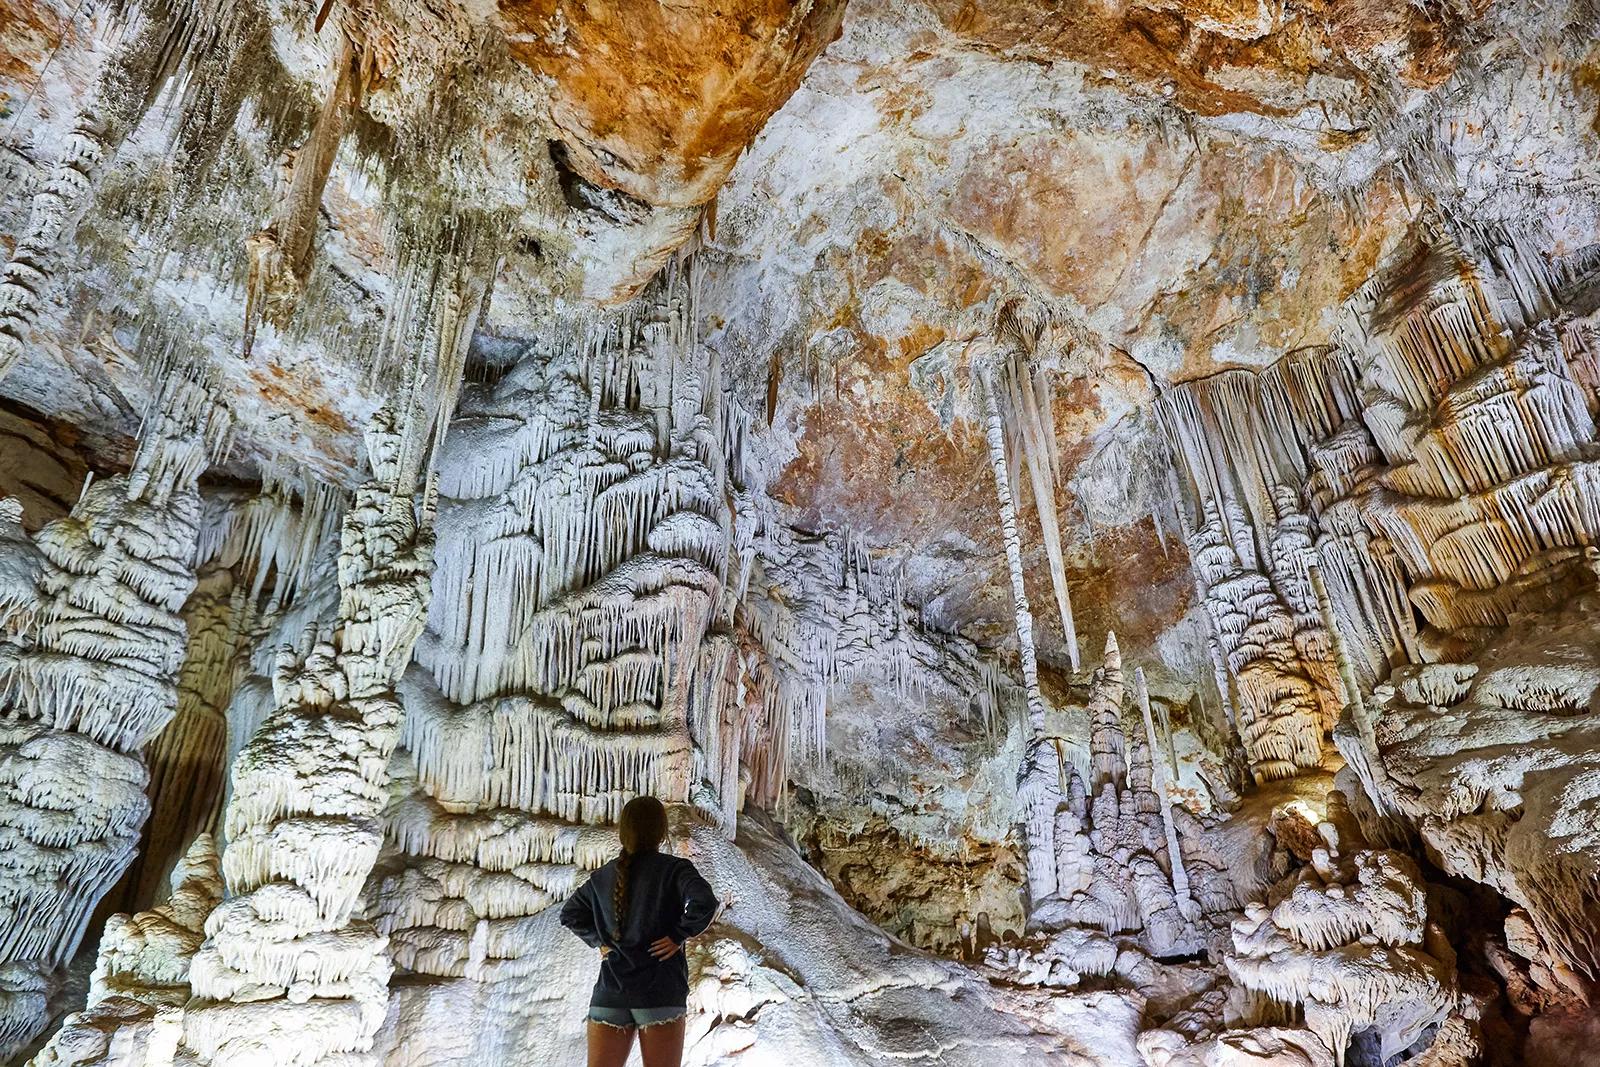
[1106, 741]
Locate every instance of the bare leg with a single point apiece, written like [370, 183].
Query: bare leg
[609, 1045]
[661, 1045]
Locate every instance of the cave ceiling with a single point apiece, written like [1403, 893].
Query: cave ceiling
[1190, 187]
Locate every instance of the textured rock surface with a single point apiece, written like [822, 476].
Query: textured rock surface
[774, 409]
[665, 123]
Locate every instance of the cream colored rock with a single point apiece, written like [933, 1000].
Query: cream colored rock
[134, 1015]
[1349, 940]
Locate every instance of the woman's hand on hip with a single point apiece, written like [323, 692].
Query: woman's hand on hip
[665, 948]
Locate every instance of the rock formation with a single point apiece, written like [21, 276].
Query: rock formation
[140, 986]
[89, 681]
[287, 973]
[1349, 941]
[426, 427]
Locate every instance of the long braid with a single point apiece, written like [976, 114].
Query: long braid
[640, 829]
[619, 894]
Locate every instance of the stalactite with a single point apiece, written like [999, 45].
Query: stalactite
[1350, 688]
[1030, 409]
[281, 254]
[987, 388]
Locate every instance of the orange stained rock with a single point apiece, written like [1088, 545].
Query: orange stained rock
[1186, 48]
[658, 100]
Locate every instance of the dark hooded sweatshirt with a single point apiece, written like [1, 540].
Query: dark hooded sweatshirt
[666, 898]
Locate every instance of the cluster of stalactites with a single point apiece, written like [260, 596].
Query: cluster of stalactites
[1499, 488]
[104, 653]
[581, 649]
[819, 611]
[271, 541]
[566, 507]
[57, 207]
[1237, 438]
[1471, 397]
[284, 967]
[127, 84]
[1440, 449]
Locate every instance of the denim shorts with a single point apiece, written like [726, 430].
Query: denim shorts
[640, 1017]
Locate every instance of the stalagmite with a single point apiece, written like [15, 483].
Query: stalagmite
[1106, 738]
[288, 974]
[1350, 941]
[1180, 877]
[1039, 797]
[137, 996]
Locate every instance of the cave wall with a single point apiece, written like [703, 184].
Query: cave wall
[1086, 516]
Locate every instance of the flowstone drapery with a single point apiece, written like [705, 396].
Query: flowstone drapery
[584, 538]
[1441, 451]
[1492, 762]
[88, 683]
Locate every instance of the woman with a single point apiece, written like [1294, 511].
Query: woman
[638, 910]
